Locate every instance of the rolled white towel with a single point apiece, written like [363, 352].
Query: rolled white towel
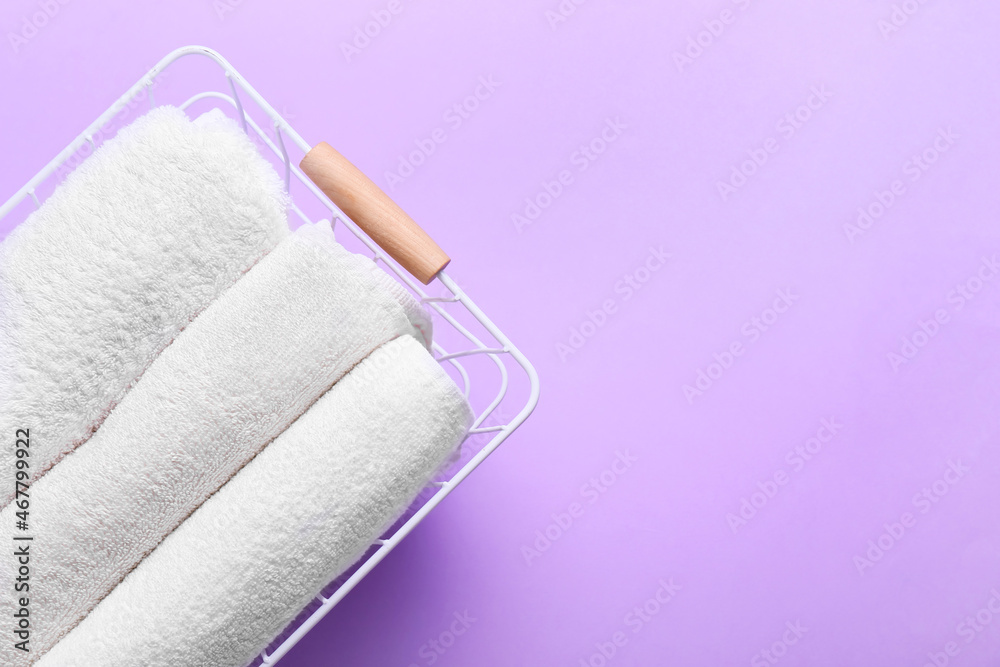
[240, 568]
[136, 242]
[234, 379]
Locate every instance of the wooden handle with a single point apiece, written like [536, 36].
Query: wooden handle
[374, 212]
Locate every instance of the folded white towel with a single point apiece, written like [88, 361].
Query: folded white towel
[221, 586]
[138, 240]
[234, 379]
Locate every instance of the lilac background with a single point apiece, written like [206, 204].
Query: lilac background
[666, 516]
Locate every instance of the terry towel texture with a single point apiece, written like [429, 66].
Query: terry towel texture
[239, 569]
[136, 242]
[233, 380]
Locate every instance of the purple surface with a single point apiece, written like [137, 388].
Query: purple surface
[812, 496]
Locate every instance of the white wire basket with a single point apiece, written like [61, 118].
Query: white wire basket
[500, 383]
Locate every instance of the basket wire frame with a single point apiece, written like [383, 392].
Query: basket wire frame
[502, 353]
